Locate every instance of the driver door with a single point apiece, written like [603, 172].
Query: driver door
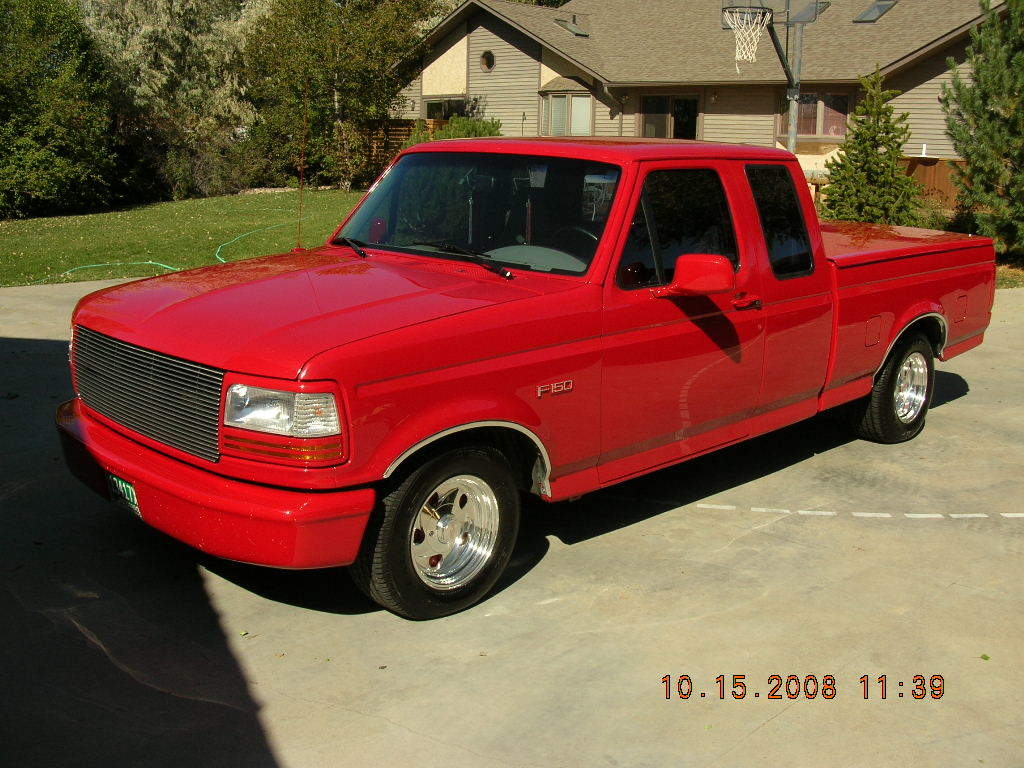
[681, 374]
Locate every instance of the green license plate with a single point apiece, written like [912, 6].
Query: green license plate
[123, 493]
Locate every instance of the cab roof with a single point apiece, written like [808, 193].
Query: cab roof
[613, 149]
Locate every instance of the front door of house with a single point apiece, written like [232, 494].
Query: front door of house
[684, 117]
[670, 117]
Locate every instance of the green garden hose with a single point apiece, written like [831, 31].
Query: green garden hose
[216, 254]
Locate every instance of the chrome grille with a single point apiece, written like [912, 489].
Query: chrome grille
[167, 399]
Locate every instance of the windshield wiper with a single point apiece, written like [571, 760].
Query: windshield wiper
[355, 245]
[476, 257]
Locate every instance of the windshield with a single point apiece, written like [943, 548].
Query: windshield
[541, 213]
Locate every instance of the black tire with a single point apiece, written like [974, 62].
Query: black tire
[875, 417]
[385, 570]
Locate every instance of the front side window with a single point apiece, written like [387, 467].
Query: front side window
[782, 220]
[570, 115]
[541, 213]
[680, 211]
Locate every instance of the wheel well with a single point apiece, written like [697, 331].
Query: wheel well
[933, 327]
[528, 462]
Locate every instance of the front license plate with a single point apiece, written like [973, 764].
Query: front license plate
[123, 493]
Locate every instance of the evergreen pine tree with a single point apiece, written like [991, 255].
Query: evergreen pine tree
[984, 106]
[866, 180]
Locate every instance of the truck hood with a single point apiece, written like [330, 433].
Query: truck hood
[270, 315]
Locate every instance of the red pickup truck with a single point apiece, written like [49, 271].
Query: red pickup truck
[497, 317]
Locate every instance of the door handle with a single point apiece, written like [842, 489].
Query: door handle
[746, 301]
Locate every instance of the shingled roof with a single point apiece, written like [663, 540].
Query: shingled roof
[682, 41]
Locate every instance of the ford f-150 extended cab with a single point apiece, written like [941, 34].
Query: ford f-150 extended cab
[498, 317]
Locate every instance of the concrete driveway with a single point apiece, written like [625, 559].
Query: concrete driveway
[800, 553]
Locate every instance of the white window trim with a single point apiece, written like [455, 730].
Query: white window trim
[568, 112]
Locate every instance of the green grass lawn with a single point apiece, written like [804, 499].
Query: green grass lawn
[180, 234]
[1009, 277]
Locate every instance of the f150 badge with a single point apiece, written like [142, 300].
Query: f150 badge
[555, 388]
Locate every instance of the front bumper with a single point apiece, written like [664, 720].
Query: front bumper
[229, 518]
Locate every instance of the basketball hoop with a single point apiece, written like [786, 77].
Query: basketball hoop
[749, 23]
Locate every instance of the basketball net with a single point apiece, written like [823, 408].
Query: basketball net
[749, 25]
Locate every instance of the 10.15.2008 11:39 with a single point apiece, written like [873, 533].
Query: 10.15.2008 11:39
[808, 687]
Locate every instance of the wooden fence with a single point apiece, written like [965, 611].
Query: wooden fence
[936, 176]
[387, 141]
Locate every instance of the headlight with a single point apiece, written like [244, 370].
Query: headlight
[296, 414]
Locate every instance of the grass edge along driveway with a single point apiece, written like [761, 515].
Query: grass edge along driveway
[179, 235]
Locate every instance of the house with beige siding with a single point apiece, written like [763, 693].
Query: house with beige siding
[666, 68]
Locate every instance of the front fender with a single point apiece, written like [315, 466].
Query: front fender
[423, 427]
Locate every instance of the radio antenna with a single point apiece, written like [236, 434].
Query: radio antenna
[302, 162]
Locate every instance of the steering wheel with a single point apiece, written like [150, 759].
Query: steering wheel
[575, 228]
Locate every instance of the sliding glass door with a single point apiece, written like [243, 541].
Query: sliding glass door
[674, 117]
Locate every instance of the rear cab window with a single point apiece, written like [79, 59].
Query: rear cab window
[782, 220]
[680, 211]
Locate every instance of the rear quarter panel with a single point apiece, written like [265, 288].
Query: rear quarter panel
[880, 295]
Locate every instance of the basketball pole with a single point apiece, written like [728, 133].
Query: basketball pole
[792, 67]
[793, 78]
[792, 74]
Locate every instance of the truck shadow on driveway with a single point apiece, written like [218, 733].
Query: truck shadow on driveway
[636, 500]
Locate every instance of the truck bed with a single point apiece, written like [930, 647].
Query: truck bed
[850, 243]
[886, 278]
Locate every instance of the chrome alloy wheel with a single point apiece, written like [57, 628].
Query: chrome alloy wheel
[911, 387]
[454, 534]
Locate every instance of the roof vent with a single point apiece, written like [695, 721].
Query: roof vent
[877, 10]
[572, 25]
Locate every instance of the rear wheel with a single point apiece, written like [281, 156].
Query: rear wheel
[442, 537]
[896, 408]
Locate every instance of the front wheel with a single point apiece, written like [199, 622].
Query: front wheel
[442, 537]
[896, 408]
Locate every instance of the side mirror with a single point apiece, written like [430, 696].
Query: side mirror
[699, 274]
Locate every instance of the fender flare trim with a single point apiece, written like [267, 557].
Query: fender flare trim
[541, 474]
[903, 330]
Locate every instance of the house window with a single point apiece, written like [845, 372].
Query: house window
[570, 115]
[820, 114]
[487, 61]
[444, 109]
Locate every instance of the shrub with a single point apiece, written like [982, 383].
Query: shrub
[457, 128]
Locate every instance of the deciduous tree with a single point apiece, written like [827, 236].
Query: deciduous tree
[179, 64]
[57, 152]
[325, 73]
